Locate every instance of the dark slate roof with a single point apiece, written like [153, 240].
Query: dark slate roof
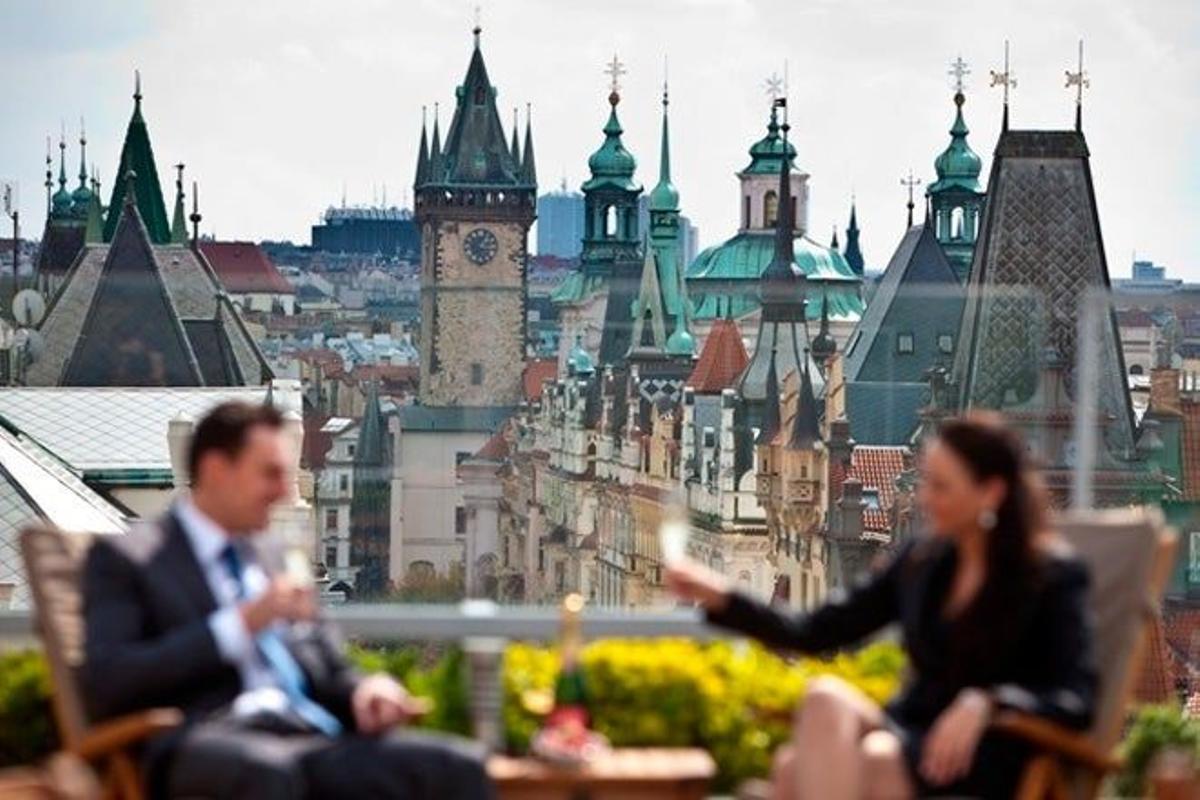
[135, 314]
[884, 413]
[1040, 232]
[454, 418]
[60, 247]
[918, 294]
[475, 151]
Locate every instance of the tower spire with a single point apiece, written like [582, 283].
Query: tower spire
[435, 150]
[1079, 79]
[137, 88]
[516, 147]
[179, 218]
[853, 252]
[422, 155]
[49, 175]
[528, 166]
[195, 216]
[82, 155]
[62, 158]
[910, 183]
[833, 243]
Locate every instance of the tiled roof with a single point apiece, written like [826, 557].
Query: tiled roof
[721, 360]
[107, 428]
[59, 247]
[494, 449]
[536, 372]
[1190, 449]
[243, 267]
[1156, 677]
[876, 468]
[35, 486]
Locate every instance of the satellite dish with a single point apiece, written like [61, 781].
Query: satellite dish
[28, 307]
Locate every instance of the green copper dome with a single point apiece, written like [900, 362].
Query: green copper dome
[664, 196]
[612, 165]
[767, 151]
[681, 343]
[579, 360]
[958, 165]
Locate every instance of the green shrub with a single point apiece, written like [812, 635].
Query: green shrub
[1154, 729]
[27, 729]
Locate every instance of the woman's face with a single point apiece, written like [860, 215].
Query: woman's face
[950, 498]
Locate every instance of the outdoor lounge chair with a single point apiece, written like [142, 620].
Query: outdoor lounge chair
[53, 563]
[1129, 553]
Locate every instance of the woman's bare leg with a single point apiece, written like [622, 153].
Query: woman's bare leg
[827, 738]
[885, 775]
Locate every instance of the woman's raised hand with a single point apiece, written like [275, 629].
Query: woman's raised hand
[698, 584]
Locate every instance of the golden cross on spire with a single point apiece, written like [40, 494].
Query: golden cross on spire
[1079, 79]
[1007, 78]
[959, 71]
[614, 71]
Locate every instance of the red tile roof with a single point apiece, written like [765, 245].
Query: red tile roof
[721, 361]
[495, 448]
[1190, 450]
[537, 371]
[876, 468]
[1156, 677]
[243, 267]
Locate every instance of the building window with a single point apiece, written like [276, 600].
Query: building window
[460, 520]
[946, 343]
[350, 450]
[343, 482]
[746, 211]
[331, 556]
[331, 519]
[610, 222]
[770, 209]
[477, 374]
[904, 344]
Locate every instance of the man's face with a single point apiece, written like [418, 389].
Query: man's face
[249, 484]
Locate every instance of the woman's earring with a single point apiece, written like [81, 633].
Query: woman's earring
[987, 519]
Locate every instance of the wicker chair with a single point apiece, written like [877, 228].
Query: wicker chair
[53, 563]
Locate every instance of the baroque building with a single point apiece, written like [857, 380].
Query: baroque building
[956, 198]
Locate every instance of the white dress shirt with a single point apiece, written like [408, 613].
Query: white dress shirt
[260, 687]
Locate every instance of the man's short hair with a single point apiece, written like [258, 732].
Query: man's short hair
[226, 428]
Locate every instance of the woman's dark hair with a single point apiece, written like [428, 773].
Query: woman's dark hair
[990, 450]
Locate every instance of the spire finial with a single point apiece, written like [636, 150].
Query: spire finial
[82, 154]
[137, 87]
[62, 156]
[614, 71]
[959, 71]
[910, 183]
[179, 177]
[1008, 80]
[49, 174]
[478, 27]
[1079, 79]
[195, 215]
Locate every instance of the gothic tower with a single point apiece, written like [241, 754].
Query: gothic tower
[474, 203]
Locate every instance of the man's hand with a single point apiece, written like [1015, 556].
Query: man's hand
[380, 703]
[284, 599]
[950, 746]
[698, 584]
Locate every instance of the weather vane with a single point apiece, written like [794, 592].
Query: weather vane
[1080, 81]
[1007, 79]
[615, 70]
[959, 71]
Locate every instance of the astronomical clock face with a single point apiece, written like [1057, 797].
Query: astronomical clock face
[480, 246]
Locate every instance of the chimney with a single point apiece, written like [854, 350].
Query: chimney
[1164, 390]
[852, 507]
[179, 439]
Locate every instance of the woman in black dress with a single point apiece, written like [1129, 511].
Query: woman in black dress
[991, 608]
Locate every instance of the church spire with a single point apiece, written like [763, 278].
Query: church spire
[516, 146]
[833, 243]
[806, 425]
[179, 218]
[422, 173]
[770, 421]
[435, 150]
[61, 201]
[82, 156]
[138, 157]
[853, 252]
[664, 196]
[49, 184]
[528, 166]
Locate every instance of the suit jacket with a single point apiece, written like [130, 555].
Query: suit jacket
[148, 643]
[1040, 663]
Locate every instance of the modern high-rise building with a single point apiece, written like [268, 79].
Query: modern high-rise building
[560, 223]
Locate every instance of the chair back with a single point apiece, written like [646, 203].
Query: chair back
[54, 566]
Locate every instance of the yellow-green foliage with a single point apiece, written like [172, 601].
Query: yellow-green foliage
[733, 699]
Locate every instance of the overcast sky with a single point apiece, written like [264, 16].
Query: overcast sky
[274, 105]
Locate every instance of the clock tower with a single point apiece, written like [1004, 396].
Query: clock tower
[475, 198]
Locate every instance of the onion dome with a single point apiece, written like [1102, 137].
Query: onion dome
[958, 165]
[681, 342]
[766, 153]
[612, 165]
[664, 196]
[81, 198]
[60, 203]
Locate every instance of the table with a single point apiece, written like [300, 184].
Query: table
[626, 773]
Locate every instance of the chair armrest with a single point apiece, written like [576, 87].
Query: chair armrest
[116, 734]
[1058, 739]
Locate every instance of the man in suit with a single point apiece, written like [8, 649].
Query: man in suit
[195, 612]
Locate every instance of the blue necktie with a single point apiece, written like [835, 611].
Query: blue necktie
[276, 655]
